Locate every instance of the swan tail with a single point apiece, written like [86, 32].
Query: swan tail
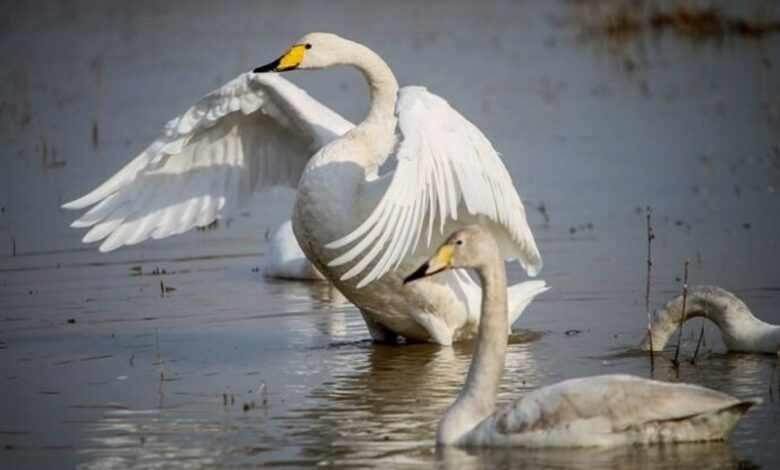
[707, 426]
[520, 295]
[728, 417]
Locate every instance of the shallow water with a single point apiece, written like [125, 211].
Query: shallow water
[101, 366]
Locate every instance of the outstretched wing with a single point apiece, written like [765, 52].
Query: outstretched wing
[447, 171]
[255, 131]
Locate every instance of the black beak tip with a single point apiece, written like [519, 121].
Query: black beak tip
[267, 68]
[417, 274]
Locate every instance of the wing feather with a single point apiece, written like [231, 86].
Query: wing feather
[447, 173]
[610, 403]
[254, 132]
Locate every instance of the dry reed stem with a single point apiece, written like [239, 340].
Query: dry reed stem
[676, 361]
[650, 237]
[701, 332]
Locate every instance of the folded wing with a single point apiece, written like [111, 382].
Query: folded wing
[611, 403]
[447, 171]
[254, 132]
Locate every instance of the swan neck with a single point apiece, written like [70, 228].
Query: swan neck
[740, 329]
[477, 399]
[382, 85]
[372, 140]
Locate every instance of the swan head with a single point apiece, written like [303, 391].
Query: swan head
[470, 247]
[313, 51]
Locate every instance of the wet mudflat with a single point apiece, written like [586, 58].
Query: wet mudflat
[178, 353]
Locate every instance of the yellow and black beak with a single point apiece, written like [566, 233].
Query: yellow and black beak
[289, 61]
[436, 264]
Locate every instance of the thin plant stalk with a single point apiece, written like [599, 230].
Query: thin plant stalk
[650, 237]
[701, 332]
[160, 367]
[676, 361]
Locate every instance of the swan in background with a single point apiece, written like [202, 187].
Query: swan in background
[741, 330]
[604, 410]
[356, 226]
[284, 258]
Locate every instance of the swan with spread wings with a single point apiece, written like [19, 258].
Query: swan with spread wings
[358, 228]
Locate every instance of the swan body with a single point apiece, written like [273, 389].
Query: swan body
[359, 228]
[603, 411]
[284, 258]
[741, 330]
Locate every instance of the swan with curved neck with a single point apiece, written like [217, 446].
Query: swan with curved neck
[603, 410]
[345, 170]
[371, 140]
[355, 226]
[741, 330]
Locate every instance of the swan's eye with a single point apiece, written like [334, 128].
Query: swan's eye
[459, 242]
[307, 46]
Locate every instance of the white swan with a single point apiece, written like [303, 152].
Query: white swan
[741, 330]
[356, 226]
[604, 410]
[284, 258]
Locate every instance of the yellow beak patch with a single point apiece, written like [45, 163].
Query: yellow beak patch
[292, 58]
[437, 263]
[444, 255]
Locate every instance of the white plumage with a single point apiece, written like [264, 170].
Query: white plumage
[255, 132]
[610, 410]
[740, 329]
[358, 228]
[284, 259]
[447, 171]
[606, 410]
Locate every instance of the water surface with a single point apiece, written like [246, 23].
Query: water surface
[102, 365]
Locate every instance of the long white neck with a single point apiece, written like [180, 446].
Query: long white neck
[477, 399]
[382, 85]
[375, 135]
[740, 329]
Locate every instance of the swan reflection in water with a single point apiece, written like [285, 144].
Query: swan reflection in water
[709, 455]
[382, 406]
[379, 406]
[385, 411]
